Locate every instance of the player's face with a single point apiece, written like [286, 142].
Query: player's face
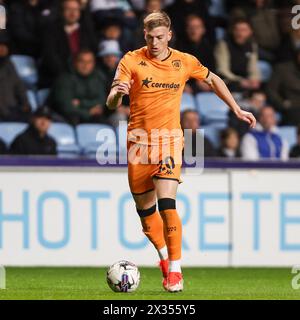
[157, 40]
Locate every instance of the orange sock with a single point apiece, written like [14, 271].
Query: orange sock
[154, 230]
[172, 232]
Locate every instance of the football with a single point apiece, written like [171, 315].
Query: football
[123, 276]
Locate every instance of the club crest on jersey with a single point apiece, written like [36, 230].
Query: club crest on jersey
[176, 64]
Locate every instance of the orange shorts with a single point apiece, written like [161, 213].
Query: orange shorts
[164, 165]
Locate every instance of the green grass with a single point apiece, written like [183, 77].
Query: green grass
[200, 283]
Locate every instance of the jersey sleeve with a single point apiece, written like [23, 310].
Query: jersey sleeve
[195, 68]
[123, 71]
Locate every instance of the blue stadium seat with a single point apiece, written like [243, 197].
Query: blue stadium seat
[187, 102]
[9, 130]
[26, 69]
[211, 108]
[212, 133]
[91, 136]
[265, 69]
[220, 33]
[217, 8]
[64, 135]
[32, 99]
[42, 96]
[288, 133]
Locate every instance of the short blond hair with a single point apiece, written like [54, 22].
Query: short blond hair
[157, 19]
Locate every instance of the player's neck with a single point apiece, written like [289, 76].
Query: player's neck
[161, 56]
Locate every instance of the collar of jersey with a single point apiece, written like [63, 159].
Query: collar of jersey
[155, 59]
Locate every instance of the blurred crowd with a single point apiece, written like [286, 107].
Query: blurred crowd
[75, 47]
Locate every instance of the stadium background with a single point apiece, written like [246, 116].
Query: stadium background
[61, 208]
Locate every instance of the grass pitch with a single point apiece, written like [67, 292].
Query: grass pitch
[200, 283]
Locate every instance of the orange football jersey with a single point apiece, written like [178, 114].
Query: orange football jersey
[155, 94]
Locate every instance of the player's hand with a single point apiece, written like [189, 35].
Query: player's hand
[247, 117]
[123, 88]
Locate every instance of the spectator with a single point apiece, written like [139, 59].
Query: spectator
[237, 57]
[156, 5]
[14, 105]
[35, 139]
[229, 144]
[63, 41]
[3, 149]
[3, 16]
[104, 10]
[289, 46]
[182, 8]
[26, 19]
[190, 119]
[284, 90]
[113, 29]
[79, 95]
[108, 58]
[295, 151]
[196, 43]
[266, 29]
[149, 7]
[109, 54]
[264, 22]
[253, 104]
[263, 142]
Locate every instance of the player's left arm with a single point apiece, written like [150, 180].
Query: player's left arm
[197, 71]
[222, 91]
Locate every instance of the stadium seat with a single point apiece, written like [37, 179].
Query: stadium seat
[220, 33]
[32, 100]
[187, 102]
[265, 70]
[26, 69]
[42, 96]
[91, 136]
[9, 130]
[65, 138]
[288, 133]
[212, 133]
[211, 108]
[217, 8]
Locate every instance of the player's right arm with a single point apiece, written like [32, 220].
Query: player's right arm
[122, 82]
[114, 99]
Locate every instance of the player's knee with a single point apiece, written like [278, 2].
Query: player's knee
[146, 212]
[166, 204]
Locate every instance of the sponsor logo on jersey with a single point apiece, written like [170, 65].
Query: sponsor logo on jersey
[149, 83]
